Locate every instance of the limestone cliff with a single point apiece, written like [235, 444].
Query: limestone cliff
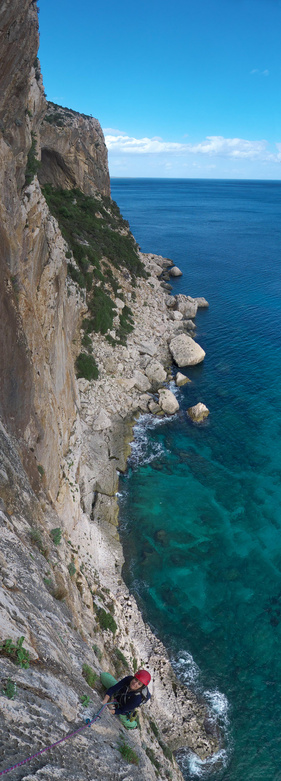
[73, 152]
[62, 439]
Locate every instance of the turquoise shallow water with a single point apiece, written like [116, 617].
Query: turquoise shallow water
[200, 506]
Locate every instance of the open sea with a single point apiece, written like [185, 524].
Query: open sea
[200, 506]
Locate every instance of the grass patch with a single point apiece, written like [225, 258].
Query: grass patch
[97, 651]
[10, 689]
[150, 753]
[106, 620]
[56, 535]
[128, 753]
[71, 569]
[154, 727]
[89, 675]
[36, 539]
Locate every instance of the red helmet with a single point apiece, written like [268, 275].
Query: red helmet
[143, 676]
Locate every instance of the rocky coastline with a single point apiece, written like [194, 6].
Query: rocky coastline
[65, 612]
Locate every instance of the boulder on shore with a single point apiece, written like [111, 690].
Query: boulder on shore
[141, 382]
[156, 373]
[186, 306]
[201, 302]
[168, 401]
[175, 272]
[198, 413]
[185, 351]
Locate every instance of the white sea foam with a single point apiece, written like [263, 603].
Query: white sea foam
[143, 449]
[218, 703]
[203, 768]
[186, 668]
[218, 712]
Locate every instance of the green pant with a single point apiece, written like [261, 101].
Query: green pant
[107, 680]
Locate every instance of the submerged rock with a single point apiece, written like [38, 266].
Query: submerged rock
[185, 351]
[198, 413]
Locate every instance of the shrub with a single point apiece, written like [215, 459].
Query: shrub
[85, 700]
[127, 752]
[102, 311]
[106, 620]
[126, 324]
[10, 689]
[18, 654]
[86, 341]
[89, 675]
[32, 164]
[56, 535]
[86, 367]
[40, 470]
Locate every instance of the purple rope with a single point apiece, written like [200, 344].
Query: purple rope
[88, 724]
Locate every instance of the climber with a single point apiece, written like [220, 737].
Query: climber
[129, 693]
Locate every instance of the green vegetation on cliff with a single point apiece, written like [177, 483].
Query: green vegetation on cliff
[94, 228]
[99, 240]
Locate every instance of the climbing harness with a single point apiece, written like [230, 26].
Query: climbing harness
[87, 724]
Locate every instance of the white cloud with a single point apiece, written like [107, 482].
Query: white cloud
[229, 147]
[261, 73]
[130, 145]
[111, 131]
[211, 146]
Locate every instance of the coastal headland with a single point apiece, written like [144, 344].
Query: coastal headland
[89, 334]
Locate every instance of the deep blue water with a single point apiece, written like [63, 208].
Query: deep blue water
[200, 506]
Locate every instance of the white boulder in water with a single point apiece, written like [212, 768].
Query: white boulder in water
[198, 413]
[185, 351]
[175, 272]
[181, 379]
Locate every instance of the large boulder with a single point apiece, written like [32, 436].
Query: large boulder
[156, 373]
[185, 351]
[141, 382]
[175, 272]
[187, 306]
[198, 413]
[168, 401]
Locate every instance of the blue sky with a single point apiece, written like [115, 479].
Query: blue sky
[182, 89]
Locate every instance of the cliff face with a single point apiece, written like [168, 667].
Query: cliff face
[73, 152]
[62, 440]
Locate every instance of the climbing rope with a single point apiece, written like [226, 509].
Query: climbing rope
[87, 724]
